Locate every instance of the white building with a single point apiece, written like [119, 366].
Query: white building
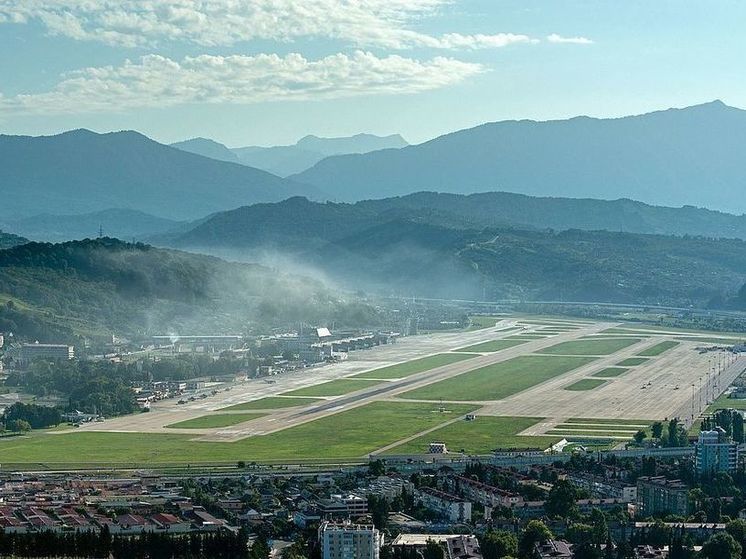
[448, 506]
[349, 541]
[24, 354]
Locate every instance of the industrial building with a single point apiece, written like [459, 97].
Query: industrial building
[314, 345]
[349, 541]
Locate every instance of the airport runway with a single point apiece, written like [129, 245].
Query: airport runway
[621, 397]
[405, 350]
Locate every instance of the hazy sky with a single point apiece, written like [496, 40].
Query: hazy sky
[270, 71]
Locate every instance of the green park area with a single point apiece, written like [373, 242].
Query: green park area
[481, 436]
[333, 388]
[659, 348]
[585, 384]
[492, 346]
[610, 372]
[589, 347]
[272, 403]
[415, 366]
[215, 420]
[500, 380]
[348, 434]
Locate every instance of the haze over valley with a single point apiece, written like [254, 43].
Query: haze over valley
[372, 279]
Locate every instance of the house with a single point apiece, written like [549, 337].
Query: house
[554, 549]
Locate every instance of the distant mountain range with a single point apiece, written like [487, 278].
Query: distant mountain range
[493, 245]
[81, 172]
[287, 160]
[693, 156]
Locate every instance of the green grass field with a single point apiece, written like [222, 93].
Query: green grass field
[272, 403]
[724, 403]
[719, 341]
[500, 380]
[659, 348]
[349, 434]
[632, 362]
[673, 329]
[415, 366]
[634, 422]
[491, 346]
[527, 336]
[332, 388]
[610, 372]
[574, 435]
[589, 347]
[215, 420]
[480, 436]
[585, 384]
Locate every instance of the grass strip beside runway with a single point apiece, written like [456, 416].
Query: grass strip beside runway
[215, 420]
[272, 403]
[500, 380]
[415, 366]
[589, 347]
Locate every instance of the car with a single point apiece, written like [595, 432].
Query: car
[182, 401]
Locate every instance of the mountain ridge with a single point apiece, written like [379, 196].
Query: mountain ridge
[664, 157]
[81, 171]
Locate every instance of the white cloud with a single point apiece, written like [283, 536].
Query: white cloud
[157, 81]
[555, 38]
[381, 23]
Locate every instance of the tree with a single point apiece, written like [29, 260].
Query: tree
[561, 500]
[737, 529]
[673, 432]
[640, 436]
[379, 509]
[497, 544]
[534, 532]
[657, 430]
[738, 431]
[433, 550]
[18, 426]
[600, 526]
[377, 467]
[721, 546]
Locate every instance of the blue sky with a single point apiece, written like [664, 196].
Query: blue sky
[270, 71]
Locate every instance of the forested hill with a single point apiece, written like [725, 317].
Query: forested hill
[456, 246]
[95, 287]
[409, 258]
[8, 240]
[298, 223]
